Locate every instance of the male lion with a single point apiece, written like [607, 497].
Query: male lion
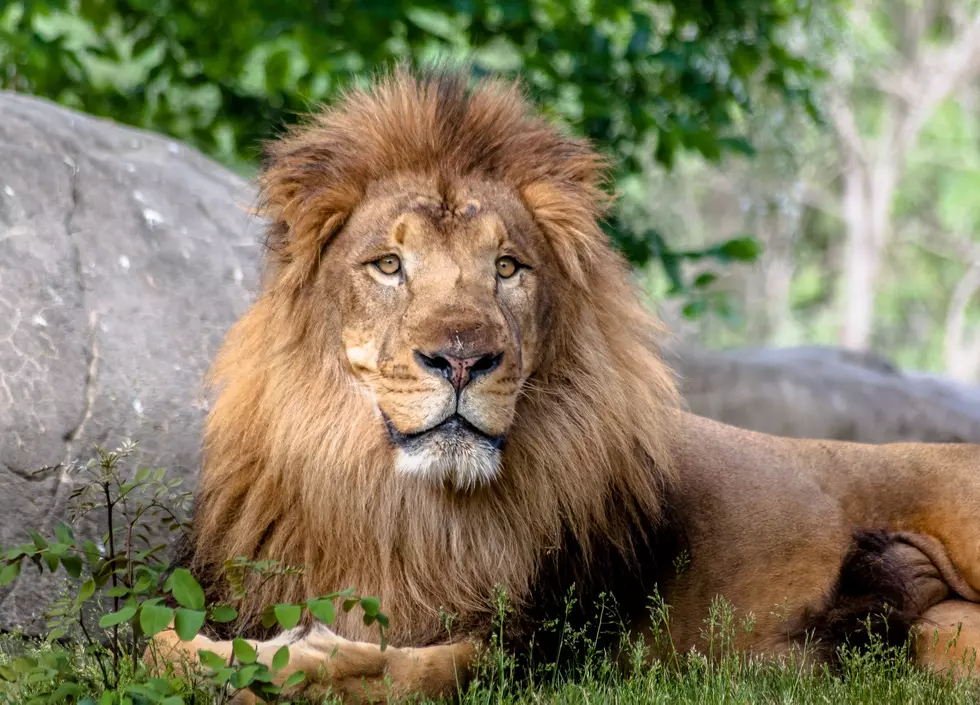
[447, 384]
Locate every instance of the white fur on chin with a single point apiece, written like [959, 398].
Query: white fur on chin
[466, 462]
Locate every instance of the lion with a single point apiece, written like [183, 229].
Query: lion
[448, 387]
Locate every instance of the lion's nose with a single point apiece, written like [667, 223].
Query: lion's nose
[460, 371]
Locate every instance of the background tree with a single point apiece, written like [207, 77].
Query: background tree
[905, 61]
[639, 78]
[792, 197]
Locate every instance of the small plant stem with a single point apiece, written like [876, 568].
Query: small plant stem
[130, 577]
[231, 663]
[112, 557]
[95, 647]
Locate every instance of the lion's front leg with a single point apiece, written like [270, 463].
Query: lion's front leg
[356, 671]
[360, 671]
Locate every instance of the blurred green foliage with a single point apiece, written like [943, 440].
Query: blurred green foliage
[643, 79]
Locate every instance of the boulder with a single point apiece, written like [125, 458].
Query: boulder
[825, 392]
[124, 258]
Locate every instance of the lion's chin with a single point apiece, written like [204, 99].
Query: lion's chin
[464, 461]
[453, 452]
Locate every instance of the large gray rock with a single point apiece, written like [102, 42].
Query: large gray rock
[822, 392]
[124, 258]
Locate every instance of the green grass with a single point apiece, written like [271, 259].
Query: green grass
[869, 678]
[874, 676]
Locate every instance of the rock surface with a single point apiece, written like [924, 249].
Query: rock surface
[822, 392]
[124, 257]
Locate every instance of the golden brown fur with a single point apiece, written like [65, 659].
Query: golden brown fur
[319, 450]
[291, 448]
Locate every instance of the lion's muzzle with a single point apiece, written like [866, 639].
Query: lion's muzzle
[455, 426]
[460, 371]
[463, 443]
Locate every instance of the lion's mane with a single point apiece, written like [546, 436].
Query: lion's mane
[293, 468]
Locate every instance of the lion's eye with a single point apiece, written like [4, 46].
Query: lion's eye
[507, 267]
[389, 264]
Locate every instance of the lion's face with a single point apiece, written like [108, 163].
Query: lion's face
[443, 311]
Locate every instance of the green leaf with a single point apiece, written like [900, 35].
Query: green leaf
[269, 617]
[85, 591]
[281, 658]
[243, 651]
[64, 534]
[223, 614]
[23, 664]
[672, 268]
[118, 591]
[370, 605]
[73, 565]
[350, 604]
[695, 309]
[187, 623]
[185, 589]
[52, 561]
[294, 679]
[287, 615]
[737, 144]
[114, 618]
[211, 659]
[323, 610]
[9, 573]
[64, 690]
[222, 675]
[264, 675]
[743, 249]
[244, 677]
[91, 551]
[39, 542]
[155, 618]
[143, 691]
[704, 279]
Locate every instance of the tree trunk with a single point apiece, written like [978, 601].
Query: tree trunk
[913, 83]
[869, 187]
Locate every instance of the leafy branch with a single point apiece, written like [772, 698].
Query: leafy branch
[122, 578]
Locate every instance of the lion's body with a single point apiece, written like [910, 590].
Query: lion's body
[769, 522]
[429, 431]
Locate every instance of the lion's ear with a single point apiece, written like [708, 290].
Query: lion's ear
[567, 214]
[305, 205]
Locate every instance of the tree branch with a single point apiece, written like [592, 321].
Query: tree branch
[845, 128]
[934, 77]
